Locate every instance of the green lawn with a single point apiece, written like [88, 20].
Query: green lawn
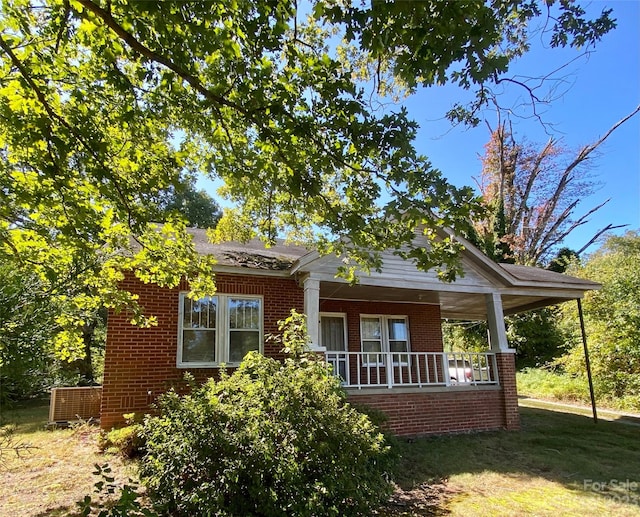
[542, 470]
[548, 468]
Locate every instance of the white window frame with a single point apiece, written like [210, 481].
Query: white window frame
[342, 315]
[223, 330]
[384, 339]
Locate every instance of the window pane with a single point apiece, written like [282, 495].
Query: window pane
[371, 346]
[370, 328]
[332, 332]
[186, 312]
[199, 313]
[241, 342]
[198, 346]
[398, 346]
[244, 313]
[213, 307]
[397, 329]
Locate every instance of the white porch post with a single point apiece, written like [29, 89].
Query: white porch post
[312, 310]
[495, 321]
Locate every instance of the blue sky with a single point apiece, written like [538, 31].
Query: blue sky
[602, 89]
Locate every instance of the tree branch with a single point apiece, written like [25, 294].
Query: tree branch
[151, 55]
[598, 234]
[54, 116]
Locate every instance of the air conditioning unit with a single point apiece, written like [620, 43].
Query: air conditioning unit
[77, 403]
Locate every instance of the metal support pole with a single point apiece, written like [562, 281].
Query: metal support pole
[588, 363]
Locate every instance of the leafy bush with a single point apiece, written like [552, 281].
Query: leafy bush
[126, 441]
[545, 384]
[270, 439]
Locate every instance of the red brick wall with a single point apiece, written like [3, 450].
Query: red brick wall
[425, 330]
[458, 409]
[141, 363]
[436, 412]
[507, 374]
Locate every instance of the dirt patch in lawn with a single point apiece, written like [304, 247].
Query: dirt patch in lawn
[426, 499]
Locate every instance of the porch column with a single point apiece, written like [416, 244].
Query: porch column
[505, 360]
[312, 310]
[506, 363]
[495, 321]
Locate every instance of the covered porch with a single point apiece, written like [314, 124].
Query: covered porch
[383, 337]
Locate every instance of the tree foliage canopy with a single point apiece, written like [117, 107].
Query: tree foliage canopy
[612, 320]
[103, 104]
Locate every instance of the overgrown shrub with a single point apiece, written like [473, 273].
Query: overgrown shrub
[270, 439]
[126, 441]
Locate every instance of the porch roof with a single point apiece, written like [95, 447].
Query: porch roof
[521, 287]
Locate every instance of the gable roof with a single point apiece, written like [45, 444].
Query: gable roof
[521, 287]
[252, 254]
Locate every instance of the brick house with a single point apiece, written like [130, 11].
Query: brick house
[382, 336]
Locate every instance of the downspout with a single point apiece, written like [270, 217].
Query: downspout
[587, 362]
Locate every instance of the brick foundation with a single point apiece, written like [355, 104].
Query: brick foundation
[424, 412]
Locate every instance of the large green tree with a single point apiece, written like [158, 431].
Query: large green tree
[103, 104]
[194, 205]
[612, 319]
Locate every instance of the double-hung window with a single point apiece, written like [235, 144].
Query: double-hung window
[382, 334]
[218, 329]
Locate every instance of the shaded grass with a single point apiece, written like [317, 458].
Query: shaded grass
[543, 470]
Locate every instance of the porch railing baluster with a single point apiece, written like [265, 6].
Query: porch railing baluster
[378, 369]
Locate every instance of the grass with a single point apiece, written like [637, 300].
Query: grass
[48, 478]
[541, 470]
[544, 384]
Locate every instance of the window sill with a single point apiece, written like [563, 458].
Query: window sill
[195, 366]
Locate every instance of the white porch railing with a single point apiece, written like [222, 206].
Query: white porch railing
[413, 369]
